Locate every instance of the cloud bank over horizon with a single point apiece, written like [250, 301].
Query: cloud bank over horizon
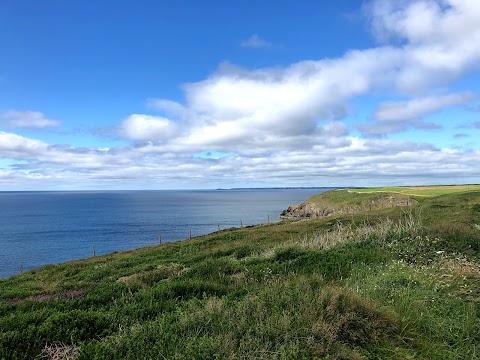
[286, 125]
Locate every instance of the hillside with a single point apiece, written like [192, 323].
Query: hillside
[344, 202]
[350, 201]
[370, 282]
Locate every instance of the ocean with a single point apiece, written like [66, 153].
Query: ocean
[40, 228]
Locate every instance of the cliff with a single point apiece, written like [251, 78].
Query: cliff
[342, 202]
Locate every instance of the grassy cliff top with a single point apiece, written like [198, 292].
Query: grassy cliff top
[361, 200]
[341, 198]
[389, 283]
[432, 190]
[356, 196]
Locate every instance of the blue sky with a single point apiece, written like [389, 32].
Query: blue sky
[188, 94]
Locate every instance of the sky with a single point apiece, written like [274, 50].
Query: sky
[212, 94]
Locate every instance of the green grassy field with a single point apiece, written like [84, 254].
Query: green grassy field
[392, 283]
[421, 190]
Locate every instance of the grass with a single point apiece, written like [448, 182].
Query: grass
[434, 190]
[339, 199]
[388, 283]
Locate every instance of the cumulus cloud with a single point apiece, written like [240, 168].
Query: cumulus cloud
[382, 128]
[439, 38]
[267, 108]
[238, 106]
[169, 107]
[14, 146]
[140, 127]
[398, 116]
[255, 42]
[25, 119]
[299, 108]
[356, 159]
[35, 152]
[418, 108]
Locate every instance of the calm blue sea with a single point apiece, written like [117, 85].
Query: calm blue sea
[40, 228]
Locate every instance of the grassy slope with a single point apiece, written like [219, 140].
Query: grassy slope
[421, 190]
[391, 283]
[340, 199]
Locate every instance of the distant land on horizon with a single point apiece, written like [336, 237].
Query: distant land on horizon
[286, 188]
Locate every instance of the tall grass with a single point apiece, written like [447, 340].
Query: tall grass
[382, 230]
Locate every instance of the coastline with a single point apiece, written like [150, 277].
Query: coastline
[72, 223]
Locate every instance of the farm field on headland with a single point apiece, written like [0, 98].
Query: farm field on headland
[433, 190]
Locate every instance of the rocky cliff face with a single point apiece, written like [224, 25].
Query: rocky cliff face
[304, 210]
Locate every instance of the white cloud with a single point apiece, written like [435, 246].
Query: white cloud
[35, 152]
[398, 116]
[19, 147]
[440, 38]
[382, 128]
[25, 119]
[255, 41]
[270, 109]
[140, 127]
[376, 160]
[236, 105]
[418, 108]
[169, 107]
